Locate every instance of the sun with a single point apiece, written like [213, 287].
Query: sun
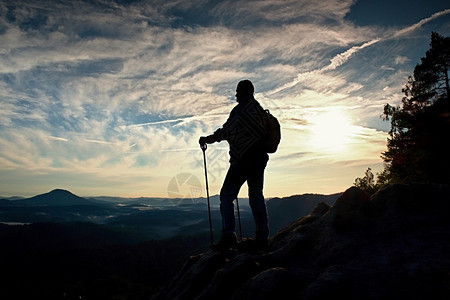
[331, 130]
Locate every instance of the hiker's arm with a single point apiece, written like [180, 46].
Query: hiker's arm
[231, 123]
[217, 136]
[207, 140]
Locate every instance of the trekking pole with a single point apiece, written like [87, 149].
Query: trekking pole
[204, 147]
[239, 217]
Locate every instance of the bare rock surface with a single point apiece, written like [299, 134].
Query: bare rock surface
[393, 245]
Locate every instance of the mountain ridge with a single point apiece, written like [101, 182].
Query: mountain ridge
[151, 217]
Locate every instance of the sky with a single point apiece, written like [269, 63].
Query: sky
[110, 97]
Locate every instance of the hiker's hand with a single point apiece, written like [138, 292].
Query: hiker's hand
[206, 140]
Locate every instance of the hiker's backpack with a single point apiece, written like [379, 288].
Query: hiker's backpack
[272, 136]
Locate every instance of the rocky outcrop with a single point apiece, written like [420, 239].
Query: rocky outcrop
[393, 245]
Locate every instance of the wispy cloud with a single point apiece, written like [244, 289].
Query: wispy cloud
[419, 24]
[121, 90]
[55, 138]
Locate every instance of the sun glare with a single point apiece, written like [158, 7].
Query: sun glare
[330, 130]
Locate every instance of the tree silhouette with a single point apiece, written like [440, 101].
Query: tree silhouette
[367, 183]
[418, 147]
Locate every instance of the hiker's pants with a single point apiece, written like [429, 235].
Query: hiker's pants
[238, 173]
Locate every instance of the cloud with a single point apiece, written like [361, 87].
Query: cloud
[419, 24]
[343, 57]
[55, 138]
[112, 88]
[400, 60]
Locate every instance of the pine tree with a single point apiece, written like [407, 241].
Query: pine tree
[418, 143]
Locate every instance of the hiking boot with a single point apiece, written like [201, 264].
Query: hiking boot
[226, 242]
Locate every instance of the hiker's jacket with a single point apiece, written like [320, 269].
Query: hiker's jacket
[244, 130]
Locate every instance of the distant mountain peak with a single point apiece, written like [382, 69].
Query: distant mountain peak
[57, 197]
[61, 191]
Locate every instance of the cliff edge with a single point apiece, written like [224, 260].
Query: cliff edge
[393, 245]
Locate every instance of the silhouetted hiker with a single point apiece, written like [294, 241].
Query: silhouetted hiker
[243, 130]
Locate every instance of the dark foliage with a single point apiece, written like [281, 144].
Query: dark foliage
[418, 144]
